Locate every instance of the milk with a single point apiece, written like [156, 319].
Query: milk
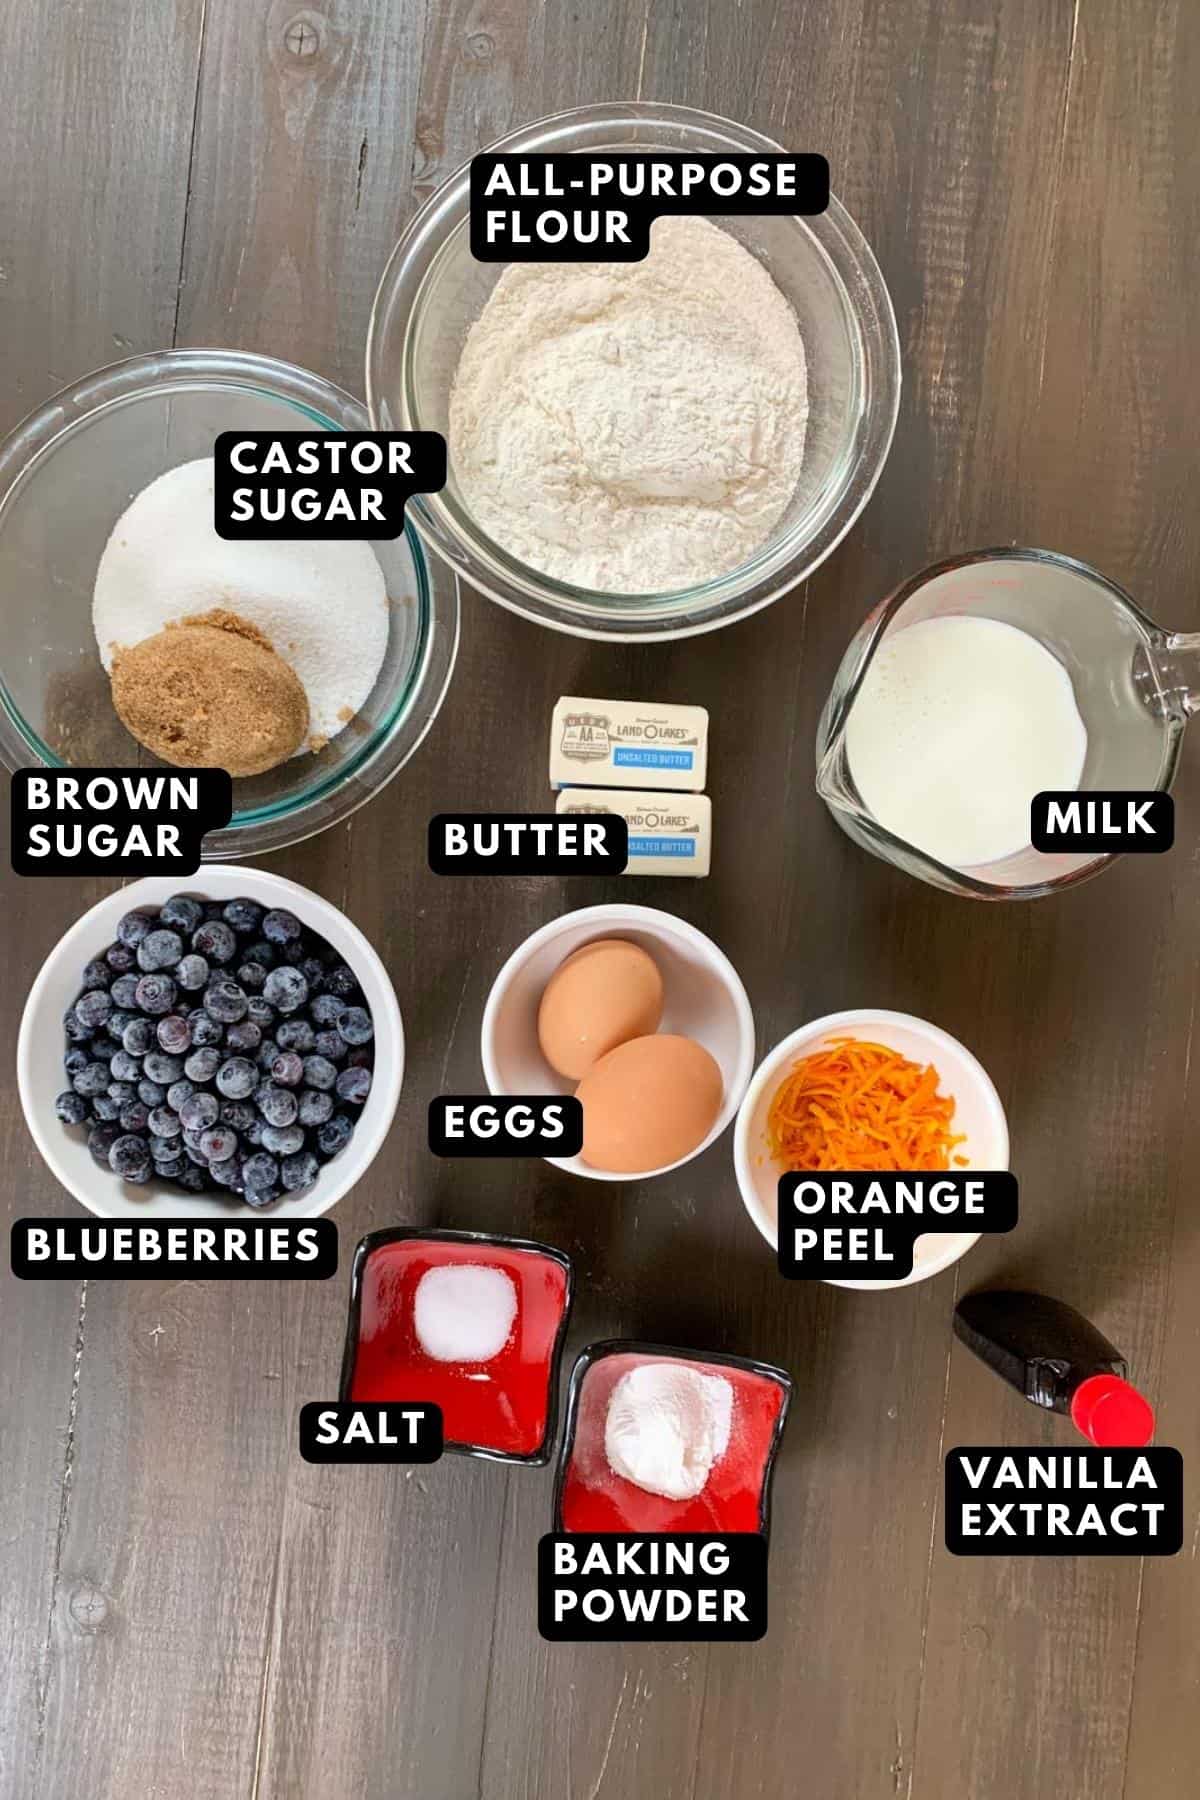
[959, 722]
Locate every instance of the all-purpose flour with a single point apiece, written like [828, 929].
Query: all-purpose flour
[633, 427]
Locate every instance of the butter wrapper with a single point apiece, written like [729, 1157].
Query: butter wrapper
[669, 834]
[624, 743]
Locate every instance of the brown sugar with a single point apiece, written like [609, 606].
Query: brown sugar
[210, 692]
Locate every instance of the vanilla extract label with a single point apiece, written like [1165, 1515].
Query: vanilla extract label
[527, 844]
[517, 1125]
[599, 207]
[864, 1227]
[672, 1587]
[190, 1250]
[370, 1431]
[1064, 1501]
[115, 821]
[321, 485]
[1106, 823]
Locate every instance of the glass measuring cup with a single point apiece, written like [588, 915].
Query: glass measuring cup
[1136, 686]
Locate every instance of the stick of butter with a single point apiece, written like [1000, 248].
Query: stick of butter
[669, 834]
[612, 743]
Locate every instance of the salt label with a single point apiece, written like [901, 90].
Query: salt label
[370, 1431]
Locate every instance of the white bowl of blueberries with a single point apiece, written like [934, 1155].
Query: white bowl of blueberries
[195, 1051]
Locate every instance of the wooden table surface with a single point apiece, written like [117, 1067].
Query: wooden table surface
[188, 1609]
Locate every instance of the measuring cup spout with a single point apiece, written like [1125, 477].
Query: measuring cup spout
[1175, 660]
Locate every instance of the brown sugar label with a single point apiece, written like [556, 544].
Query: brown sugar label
[115, 821]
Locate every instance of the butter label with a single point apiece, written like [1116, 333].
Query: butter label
[612, 743]
[669, 834]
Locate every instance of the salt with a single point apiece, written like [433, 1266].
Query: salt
[464, 1312]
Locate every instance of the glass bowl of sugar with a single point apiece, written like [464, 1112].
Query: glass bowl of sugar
[641, 450]
[86, 460]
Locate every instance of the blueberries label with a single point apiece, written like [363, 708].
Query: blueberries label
[293, 484]
[863, 1227]
[674, 1587]
[517, 1125]
[1109, 822]
[1064, 1502]
[370, 1431]
[188, 1250]
[527, 844]
[115, 821]
[598, 207]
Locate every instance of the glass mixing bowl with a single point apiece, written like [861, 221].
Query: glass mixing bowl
[66, 475]
[433, 290]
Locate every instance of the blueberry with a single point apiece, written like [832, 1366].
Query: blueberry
[191, 972]
[260, 1197]
[296, 1034]
[237, 1115]
[132, 928]
[224, 1000]
[153, 1093]
[319, 1072]
[120, 959]
[192, 1151]
[354, 1085]
[122, 1092]
[299, 1171]
[193, 1178]
[277, 1105]
[214, 940]
[218, 1143]
[117, 1022]
[342, 981]
[77, 1032]
[174, 1035]
[168, 1168]
[244, 915]
[93, 1008]
[162, 1068]
[102, 1049]
[227, 1172]
[283, 1140]
[213, 909]
[94, 1079]
[355, 1025]
[261, 953]
[285, 988]
[288, 1069]
[335, 1134]
[261, 1011]
[135, 1116]
[124, 991]
[178, 1094]
[198, 1113]
[105, 1108]
[331, 1045]
[268, 1050]
[75, 1059]
[164, 1123]
[156, 994]
[206, 1033]
[182, 913]
[203, 1064]
[313, 971]
[138, 1037]
[315, 1107]
[253, 1133]
[130, 1158]
[237, 1078]
[260, 1171]
[251, 975]
[159, 950]
[71, 1108]
[245, 1035]
[293, 953]
[281, 927]
[97, 974]
[101, 1139]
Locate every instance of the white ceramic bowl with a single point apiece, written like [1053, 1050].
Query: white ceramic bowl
[40, 1046]
[703, 999]
[977, 1113]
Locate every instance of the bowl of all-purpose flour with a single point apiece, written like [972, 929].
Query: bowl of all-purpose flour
[136, 636]
[649, 449]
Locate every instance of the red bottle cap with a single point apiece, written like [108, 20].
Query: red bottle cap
[1111, 1413]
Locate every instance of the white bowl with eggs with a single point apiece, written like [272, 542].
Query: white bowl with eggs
[978, 1115]
[703, 999]
[40, 1045]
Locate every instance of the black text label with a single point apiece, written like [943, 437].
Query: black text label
[370, 1431]
[1064, 1502]
[350, 484]
[863, 1227]
[1103, 822]
[527, 844]
[680, 1587]
[192, 1250]
[517, 1125]
[115, 821]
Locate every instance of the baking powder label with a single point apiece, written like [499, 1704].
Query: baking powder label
[671, 1587]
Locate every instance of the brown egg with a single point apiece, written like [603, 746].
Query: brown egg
[648, 1103]
[602, 995]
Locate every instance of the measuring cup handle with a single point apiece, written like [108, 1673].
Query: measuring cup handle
[1176, 659]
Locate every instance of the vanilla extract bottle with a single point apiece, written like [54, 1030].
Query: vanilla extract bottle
[1058, 1360]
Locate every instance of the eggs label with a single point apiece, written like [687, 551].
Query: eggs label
[370, 1431]
[1103, 823]
[115, 821]
[863, 1227]
[1064, 1501]
[329, 484]
[191, 1250]
[598, 207]
[673, 1587]
[527, 844]
[517, 1125]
